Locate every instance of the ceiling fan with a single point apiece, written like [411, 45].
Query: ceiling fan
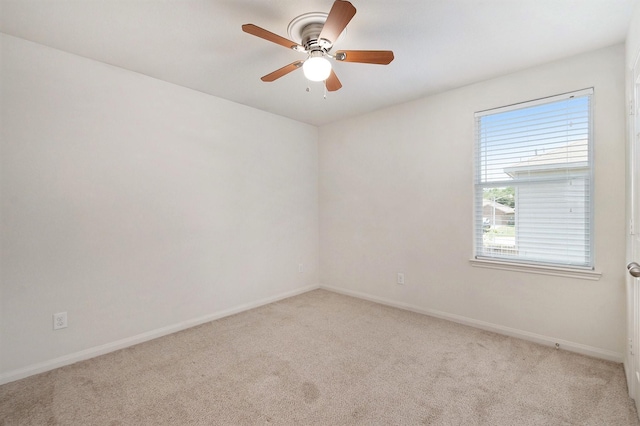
[317, 33]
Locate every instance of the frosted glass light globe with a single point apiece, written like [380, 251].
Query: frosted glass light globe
[316, 68]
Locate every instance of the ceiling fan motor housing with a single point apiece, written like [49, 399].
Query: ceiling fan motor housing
[311, 40]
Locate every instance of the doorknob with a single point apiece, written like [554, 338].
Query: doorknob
[634, 269]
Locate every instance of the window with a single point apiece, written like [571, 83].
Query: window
[534, 182]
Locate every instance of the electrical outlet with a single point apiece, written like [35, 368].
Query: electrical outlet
[59, 320]
[300, 267]
[400, 279]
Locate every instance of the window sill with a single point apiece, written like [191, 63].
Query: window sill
[537, 269]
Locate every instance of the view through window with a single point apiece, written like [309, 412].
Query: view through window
[533, 182]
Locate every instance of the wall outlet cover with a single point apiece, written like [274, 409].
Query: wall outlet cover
[59, 320]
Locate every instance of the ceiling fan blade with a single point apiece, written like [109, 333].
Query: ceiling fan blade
[282, 71]
[339, 16]
[332, 83]
[380, 57]
[268, 35]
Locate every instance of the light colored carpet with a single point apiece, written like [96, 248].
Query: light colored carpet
[327, 359]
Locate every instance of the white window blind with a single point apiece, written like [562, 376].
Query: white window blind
[534, 181]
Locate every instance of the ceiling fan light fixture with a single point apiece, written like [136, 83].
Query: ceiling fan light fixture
[317, 68]
[315, 34]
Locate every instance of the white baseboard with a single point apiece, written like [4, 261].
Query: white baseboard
[41, 367]
[508, 331]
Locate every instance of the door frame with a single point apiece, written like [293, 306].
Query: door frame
[632, 347]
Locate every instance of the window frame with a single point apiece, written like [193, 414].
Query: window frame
[481, 258]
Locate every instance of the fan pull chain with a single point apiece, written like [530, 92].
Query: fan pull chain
[308, 90]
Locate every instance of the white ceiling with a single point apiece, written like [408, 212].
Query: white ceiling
[438, 44]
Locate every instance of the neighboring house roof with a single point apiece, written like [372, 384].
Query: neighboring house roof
[504, 209]
[572, 155]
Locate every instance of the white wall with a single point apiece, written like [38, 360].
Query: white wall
[139, 207]
[396, 195]
[633, 38]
